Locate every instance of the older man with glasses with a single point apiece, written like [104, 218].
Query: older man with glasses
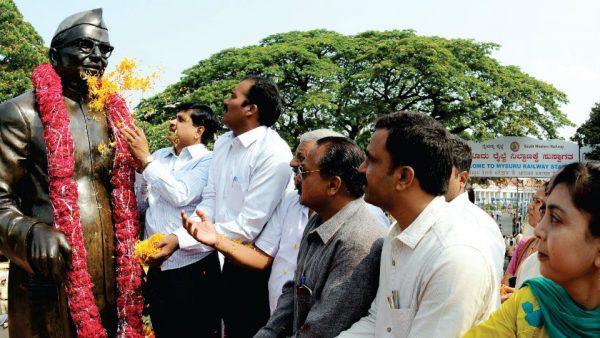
[338, 260]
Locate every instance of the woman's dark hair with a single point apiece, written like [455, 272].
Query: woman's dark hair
[201, 115]
[342, 158]
[583, 181]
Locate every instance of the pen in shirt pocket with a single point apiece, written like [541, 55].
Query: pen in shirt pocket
[304, 286]
[390, 302]
[394, 300]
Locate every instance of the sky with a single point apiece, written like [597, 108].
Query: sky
[556, 41]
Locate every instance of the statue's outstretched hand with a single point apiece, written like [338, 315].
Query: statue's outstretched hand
[49, 252]
[203, 231]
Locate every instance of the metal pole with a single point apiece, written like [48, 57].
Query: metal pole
[518, 227]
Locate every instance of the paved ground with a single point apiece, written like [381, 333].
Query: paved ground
[506, 224]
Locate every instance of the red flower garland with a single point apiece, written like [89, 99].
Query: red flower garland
[63, 194]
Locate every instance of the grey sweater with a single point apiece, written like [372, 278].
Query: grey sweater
[336, 276]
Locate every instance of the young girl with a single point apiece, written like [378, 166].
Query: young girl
[566, 301]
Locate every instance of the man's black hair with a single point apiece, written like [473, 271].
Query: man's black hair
[419, 141]
[265, 95]
[342, 158]
[201, 115]
[471, 194]
[461, 154]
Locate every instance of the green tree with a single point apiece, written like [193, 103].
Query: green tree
[330, 80]
[21, 50]
[589, 133]
[156, 134]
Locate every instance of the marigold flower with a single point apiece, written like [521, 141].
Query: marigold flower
[123, 78]
[145, 250]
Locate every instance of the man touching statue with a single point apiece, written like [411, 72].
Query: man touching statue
[40, 254]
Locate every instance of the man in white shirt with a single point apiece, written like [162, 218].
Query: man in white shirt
[459, 200]
[249, 176]
[437, 279]
[172, 179]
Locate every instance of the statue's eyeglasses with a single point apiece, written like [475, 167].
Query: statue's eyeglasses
[88, 45]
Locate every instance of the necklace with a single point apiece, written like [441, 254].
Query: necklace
[63, 195]
[533, 247]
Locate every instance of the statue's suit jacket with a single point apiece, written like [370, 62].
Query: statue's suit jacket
[37, 306]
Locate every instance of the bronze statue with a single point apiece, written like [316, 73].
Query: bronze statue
[39, 254]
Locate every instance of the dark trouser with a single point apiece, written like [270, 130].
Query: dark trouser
[245, 299]
[185, 302]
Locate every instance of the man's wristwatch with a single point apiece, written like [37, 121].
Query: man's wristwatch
[147, 161]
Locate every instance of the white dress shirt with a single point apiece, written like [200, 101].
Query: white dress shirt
[248, 177]
[167, 185]
[281, 240]
[443, 274]
[493, 236]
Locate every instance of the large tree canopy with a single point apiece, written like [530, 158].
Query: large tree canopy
[589, 133]
[330, 80]
[21, 50]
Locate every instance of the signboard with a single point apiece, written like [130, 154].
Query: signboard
[521, 157]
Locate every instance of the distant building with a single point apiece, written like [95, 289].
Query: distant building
[503, 194]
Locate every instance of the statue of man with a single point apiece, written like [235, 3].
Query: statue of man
[39, 254]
